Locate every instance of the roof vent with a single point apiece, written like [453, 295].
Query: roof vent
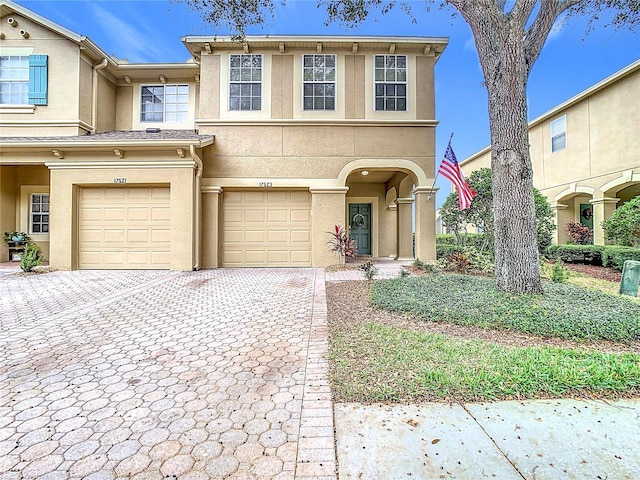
[152, 130]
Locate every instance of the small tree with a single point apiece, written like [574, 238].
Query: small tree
[31, 258]
[579, 233]
[480, 213]
[623, 227]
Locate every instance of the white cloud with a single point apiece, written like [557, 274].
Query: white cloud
[470, 45]
[556, 30]
[130, 35]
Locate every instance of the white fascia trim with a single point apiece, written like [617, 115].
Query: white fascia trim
[44, 123]
[125, 165]
[349, 122]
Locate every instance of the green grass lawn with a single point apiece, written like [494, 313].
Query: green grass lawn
[376, 361]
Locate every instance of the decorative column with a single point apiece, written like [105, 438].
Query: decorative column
[562, 216]
[602, 209]
[425, 201]
[211, 226]
[404, 229]
[328, 208]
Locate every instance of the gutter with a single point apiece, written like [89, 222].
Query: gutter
[198, 206]
[94, 93]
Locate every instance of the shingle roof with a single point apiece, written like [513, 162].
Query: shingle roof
[118, 135]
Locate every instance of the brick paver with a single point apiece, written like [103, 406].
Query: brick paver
[155, 375]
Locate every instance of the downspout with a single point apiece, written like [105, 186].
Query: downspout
[94, 99]
[198, 205]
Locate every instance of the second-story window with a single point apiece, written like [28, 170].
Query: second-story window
[164, 103]
[319, 82]
[390, 77]
[559, 134]
[245, 82]
[14, 80]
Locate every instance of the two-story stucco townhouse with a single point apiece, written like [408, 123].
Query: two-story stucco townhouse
[586, 152]
[246, 155]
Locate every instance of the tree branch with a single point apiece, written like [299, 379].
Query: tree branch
[537, 34]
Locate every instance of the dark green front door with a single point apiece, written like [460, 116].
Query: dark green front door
[360, 223]
[586, 216]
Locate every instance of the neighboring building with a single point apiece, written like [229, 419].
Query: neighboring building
[586, 152]
[247, 155]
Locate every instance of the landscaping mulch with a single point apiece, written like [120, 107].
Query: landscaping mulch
[602, 273]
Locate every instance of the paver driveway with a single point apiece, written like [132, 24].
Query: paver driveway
[161, 375]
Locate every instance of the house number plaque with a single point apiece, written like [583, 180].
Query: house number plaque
[119, 180]
[265, 184]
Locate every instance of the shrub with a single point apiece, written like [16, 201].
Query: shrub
[579, 233]
[591, 254]
[31, 258]
[404, 272]
[469, 258]
[369, 270]
[559, 273]
[428, 267]
[443, 251]
[342, 244]
[614, 256]
[623, 227]
[463, 239]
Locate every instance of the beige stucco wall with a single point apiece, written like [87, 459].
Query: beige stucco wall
[86, 90]
[107, 103]
[8, 187]
[310, 152]
[66, 181]
[327, 209]
[601, 159]
[124, 108]
[62, 113]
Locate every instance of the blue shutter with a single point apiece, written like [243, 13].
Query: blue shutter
[37, 79]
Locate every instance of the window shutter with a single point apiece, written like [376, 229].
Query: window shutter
[38, 79]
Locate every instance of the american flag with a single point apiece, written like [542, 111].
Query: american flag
[450, 169]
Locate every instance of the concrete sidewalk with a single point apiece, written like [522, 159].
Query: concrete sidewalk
[533, 440]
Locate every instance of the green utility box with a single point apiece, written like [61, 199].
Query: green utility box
[630, 278]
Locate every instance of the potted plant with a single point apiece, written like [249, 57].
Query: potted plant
[15, 237]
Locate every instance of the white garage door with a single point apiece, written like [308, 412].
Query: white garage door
[266, 228]
[124, 228]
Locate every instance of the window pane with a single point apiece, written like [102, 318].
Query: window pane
[245, 89]
[45, 228]
[401, 61]
[235, 60]
[401, 76]
[401, 90]
[36, 228]
[256, 104]
[390, 75]
[329, 103]
[379, 75]
[308, 60]
[234, 103]
[256, 75]
[308, 89]
[235, 89]
[308, 103]
[379, 89]
[256, 90]
[330, 74]
[330, 89]
[558, 143]
[379, 103]
[235, 75]
[330, 61]
[379, 61]
[318, 90]
[390, 104]
[401, 104]
[245, 103]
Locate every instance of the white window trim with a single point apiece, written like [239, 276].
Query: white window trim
[406, 82]
[25, 210]
[564, 132]
[262, 86]
[335, 84]
[164, 104]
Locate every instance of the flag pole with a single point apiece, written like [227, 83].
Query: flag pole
[437, 173]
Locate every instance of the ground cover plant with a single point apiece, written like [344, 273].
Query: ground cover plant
[564, 311]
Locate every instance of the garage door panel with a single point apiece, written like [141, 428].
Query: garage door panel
[255, 216]
[278, 236]
[277, 221]
[159, 214]
[280, 215]
[302, 216]
[255, 236]
[302, 257]
[124, 227]
[300, 236]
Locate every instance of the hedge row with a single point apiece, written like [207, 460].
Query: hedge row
[612, 256]
[468, 239]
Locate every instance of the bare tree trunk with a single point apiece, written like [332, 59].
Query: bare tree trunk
[500, 41]
[516, 249]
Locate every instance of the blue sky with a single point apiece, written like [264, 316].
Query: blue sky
[571, 61]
